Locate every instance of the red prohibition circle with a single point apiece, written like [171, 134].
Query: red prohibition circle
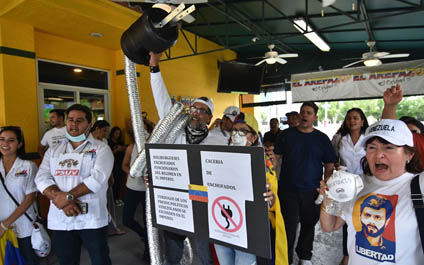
[237, 227]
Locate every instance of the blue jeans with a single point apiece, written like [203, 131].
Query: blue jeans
[67, 246]
[175, 248]
[25, 247]
[229, 256]
[133, 199]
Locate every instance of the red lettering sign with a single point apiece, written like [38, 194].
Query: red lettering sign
[66, 172]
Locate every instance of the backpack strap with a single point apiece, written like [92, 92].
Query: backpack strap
[13, 198]
[417, 200]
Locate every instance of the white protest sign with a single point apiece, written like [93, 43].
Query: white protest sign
[173, 208]
[169, 168]
[229, 180]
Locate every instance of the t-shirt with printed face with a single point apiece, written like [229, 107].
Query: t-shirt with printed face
[382, 226]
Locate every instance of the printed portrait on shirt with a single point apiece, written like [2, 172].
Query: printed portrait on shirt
[374, 222]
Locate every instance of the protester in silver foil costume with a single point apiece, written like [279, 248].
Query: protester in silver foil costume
[195, 132]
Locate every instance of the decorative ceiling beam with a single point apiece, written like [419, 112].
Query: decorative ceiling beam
[209, 51]
[409, 3]
[414, 10]
[311, 16]
[367, 24]
[320, 31]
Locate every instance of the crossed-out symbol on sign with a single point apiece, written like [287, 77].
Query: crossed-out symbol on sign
[219, 202]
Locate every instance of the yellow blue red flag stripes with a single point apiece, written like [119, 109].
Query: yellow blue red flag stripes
[9, 250]
[198, 193]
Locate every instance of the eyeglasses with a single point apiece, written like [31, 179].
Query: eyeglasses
[241, 132]
[199, 110]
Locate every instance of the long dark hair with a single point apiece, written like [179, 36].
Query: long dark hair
[414, 166]
[19, 136]
[344, 130]
[413, 121]
[112, 132]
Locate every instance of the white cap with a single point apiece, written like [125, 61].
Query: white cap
[231, 112]
[208, 102]
[394, 131]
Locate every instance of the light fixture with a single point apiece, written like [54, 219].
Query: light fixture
[301, 25]
[271, 60]
[372, 62]
[77, 70]
[96, 34]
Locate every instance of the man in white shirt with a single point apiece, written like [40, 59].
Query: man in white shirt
[56, 134]
[74, 176]
[222, 132]
[196, 132]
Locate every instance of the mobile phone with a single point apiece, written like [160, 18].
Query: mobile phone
[83, 206]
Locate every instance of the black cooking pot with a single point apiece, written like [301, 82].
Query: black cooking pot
[141, 37]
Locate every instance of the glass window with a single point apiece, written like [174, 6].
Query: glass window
[55, 99]
[63, 74]
[96, 103]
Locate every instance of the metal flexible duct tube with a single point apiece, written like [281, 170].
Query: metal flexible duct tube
[180, 124]
[159, 133]
[134, 101]
[138, 129]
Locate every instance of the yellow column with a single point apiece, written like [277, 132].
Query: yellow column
[18, 80]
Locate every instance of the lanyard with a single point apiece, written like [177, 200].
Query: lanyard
[82, 149]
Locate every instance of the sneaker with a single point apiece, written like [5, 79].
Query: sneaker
[305, 262]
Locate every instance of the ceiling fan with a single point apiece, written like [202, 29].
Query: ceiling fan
[372, 58]
[272, 57]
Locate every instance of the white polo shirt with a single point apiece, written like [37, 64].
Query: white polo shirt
[350, 154]
[96, 168]
[20, 182]
[54, 137]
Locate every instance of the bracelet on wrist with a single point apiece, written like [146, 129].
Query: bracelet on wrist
[154, 69]
[3, 226]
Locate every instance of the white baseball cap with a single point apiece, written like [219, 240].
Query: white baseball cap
[207, 101]
[394, 131]
[231, 112]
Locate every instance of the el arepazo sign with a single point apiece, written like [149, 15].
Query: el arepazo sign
[358, 82]
[212, 193]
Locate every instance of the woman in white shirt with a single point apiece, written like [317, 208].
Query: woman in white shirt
[18, 176]
[349, 151]
[382, 224]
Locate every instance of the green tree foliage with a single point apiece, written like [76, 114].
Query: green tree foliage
[410, 106]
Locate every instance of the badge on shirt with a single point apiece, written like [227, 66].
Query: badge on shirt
[21, 173]
[92, 152]
[68, 165]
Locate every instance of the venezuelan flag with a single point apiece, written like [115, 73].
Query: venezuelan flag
[198, 193]
[9, 250]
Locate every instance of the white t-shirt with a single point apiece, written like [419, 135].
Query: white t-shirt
[54, 136]
[20, 182]
[350, 154]
[219, 135]
[133, 183]
[400, 242]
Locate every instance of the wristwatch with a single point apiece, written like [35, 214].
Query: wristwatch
[69, 197]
